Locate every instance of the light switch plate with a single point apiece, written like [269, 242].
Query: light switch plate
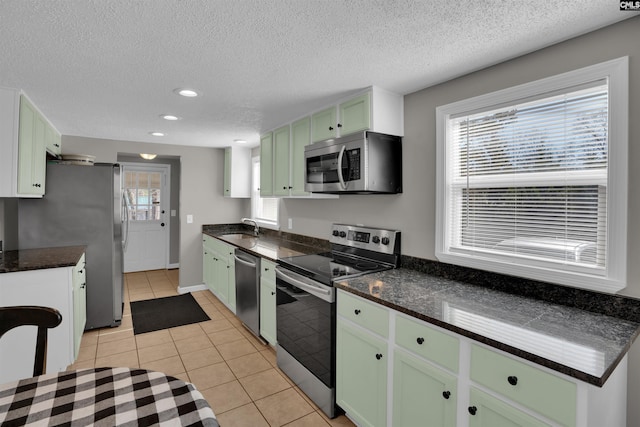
[189, 219]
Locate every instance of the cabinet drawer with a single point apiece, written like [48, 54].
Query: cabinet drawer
[268, 271]
[547, 394]
[364, 313]
[428, 342]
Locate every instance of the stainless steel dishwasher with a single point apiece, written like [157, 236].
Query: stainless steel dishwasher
[248, 290]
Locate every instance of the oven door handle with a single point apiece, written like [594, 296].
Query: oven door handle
[314, 290]
[340, 177]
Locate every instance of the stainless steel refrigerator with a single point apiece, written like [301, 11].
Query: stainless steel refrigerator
[83, 205]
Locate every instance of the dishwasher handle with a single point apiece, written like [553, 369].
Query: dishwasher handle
[245, 262]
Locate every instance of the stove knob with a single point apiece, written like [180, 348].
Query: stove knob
[376, 239]
[385, 240]
[335, 271]
[335, 232]
[343, 234]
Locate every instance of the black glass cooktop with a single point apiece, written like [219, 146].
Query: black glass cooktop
[329, 266]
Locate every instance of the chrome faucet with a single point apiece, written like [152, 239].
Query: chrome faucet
[256, 229]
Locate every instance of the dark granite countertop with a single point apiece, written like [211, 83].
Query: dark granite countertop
[268, 244]
[38, 259]
[582, 344]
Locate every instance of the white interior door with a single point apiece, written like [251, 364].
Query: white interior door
[147, 191]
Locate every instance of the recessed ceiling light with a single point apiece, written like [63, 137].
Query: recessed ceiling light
[240, 141]
[170, 117]
[156, 134]
[186, 92]
[148, 156]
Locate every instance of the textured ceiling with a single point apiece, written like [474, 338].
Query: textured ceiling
[108, 68]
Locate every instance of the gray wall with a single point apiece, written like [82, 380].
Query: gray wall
[413, 212]
[201, 183]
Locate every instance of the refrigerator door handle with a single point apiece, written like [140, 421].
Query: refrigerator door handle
[125, 205]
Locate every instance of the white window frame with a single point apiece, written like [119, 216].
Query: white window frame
[614, 278]
[256, 199]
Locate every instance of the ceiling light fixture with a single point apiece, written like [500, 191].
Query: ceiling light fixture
[189, 93]
[148, 156]
[170, 117]
[156, 134]
[240, 141]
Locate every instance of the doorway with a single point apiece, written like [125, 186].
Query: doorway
[147, 192]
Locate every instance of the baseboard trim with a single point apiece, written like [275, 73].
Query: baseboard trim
[173, 266]
[192, 288]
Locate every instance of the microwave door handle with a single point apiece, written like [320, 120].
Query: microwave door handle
[340, 177]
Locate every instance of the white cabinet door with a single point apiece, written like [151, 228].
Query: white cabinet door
[50, 288]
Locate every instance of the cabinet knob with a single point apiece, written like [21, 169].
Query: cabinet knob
[266, 269]
[378, 356]
[80, 271]
[339, 125]
[56, 145]
[273, 293]
[446, 394]
[83, 285]
[290, 187]
[513, 380]
[330, 127]
[420, 340]
[356, 311]
[472, 410]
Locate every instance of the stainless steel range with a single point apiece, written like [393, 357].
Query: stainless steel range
[305, 304]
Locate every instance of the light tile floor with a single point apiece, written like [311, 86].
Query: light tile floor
[234, 371]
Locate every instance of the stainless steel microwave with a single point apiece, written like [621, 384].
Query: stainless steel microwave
[360, 163]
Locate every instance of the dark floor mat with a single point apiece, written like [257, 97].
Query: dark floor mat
[162, 313]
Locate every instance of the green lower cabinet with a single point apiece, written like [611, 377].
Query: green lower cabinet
[423, 395]
[487, 411]
[268, 301]
[361, 375]
[268, 311]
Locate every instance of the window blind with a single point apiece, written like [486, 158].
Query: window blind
[529, 180]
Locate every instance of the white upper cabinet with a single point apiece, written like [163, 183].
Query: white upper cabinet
[237, 172]
[24, 136]
[375, 109]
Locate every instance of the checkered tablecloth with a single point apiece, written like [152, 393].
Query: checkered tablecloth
[104, 397]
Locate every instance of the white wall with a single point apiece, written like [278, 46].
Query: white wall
[413, 211]
[201, 185]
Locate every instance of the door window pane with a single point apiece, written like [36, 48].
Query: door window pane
[143, 193]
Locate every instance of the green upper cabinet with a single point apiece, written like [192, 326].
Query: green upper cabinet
[300, 137]
[237, 172]
[355, 114]
[24, 136]
[281, 151]
[31, 150]
[53, 141]
[374, 109]
[266, 165]
[323, 124]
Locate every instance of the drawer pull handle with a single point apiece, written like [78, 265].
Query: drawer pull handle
[420, 340]
[512, 380]
[273, 293]
[356, 311]
[446, 394]
[472, 410]
[378, 356]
